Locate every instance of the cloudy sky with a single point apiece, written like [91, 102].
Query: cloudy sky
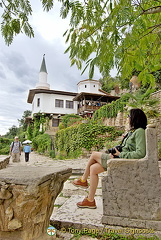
[20, 64]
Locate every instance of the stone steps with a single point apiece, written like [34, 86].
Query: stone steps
[70, 219]
[70, 216]
[65, 214]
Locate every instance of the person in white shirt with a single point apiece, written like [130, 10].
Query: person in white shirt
[15, 150]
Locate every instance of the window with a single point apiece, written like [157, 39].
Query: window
[38, 102]
[85, 86]
[55, 122]
[69, 104]
[59, 103]
[93, 85]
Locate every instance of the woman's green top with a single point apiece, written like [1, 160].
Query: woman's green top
[134, 145]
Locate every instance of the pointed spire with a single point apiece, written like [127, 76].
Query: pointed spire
[42, 84]
[43, 65]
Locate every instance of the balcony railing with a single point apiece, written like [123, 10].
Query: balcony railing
[88, 108]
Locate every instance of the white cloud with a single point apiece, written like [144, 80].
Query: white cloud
[49, 26]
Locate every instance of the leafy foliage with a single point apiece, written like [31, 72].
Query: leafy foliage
[21, 129]
[22, 121]
[142, 99]
[122, 33]
[111, 110]
[109, 83]
[12, 132]
[29, 131]
[42, 143]
[40, 124]
[15, 19]
[70, 141]
[70, 119]
[102, 33]
[4, 146]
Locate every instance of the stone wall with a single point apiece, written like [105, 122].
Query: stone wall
[4, 161]
[27, 196]
[120, 120]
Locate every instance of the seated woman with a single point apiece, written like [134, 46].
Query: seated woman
[133, 147]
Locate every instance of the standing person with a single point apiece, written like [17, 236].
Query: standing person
[133, 147]
[15, 150]
[27, 150]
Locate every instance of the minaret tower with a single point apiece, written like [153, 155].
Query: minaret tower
[42, 84]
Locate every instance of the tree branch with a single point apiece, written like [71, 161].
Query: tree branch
[152, 10]
[157, 1]
[155, 26]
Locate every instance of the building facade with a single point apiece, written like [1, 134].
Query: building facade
[55, 104]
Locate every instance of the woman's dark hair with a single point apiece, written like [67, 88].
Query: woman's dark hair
[138, 119]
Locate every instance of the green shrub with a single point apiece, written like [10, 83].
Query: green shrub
[42, 143]
[70, 119]
[70, 141]
[4, 151]
[30, 131]
[52, 153]
[111, 110]
[5, 146]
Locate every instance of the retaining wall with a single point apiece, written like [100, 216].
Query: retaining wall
[4, 161]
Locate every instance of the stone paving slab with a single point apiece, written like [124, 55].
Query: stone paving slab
[2, 157]
[69, 192]
[18, 174]
[60, 200]
[70, 215]
[70, 219]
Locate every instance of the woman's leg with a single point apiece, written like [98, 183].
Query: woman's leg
[95, 169]
[94, 158]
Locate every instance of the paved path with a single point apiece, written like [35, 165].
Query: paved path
[39, 160]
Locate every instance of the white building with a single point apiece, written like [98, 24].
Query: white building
[56, 103]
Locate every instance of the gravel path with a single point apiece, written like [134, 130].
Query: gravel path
[39, 160]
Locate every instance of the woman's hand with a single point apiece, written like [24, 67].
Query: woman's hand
[111, 156]
[117, 153]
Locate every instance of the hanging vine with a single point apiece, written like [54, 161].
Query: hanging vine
[70, 141]
[40, 123]
[111, 110]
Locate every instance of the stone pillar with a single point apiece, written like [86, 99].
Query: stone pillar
[131, 190]
[27, 196]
